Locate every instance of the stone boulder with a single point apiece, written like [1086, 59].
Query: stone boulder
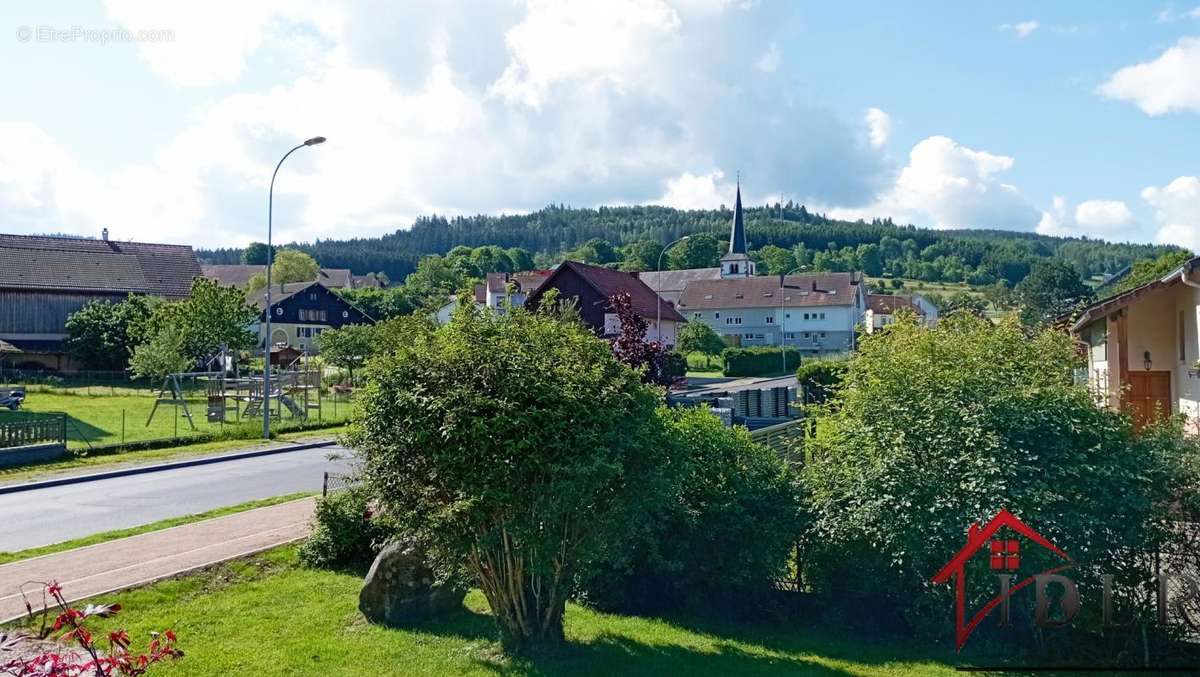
[399, 590]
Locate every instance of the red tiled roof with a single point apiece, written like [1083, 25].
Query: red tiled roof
[609, 282]
[886, 304]
[829, 289]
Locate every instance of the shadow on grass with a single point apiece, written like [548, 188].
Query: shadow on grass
[801, 652]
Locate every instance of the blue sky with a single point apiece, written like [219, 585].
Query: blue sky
[162, 121]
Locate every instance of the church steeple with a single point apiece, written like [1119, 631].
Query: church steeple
[737, 234]
[737, 262]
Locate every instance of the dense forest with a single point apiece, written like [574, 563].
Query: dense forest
[627, 236]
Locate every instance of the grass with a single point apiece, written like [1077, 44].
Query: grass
[6, 557]
[119, 415]
[123, 458]
[267, 616]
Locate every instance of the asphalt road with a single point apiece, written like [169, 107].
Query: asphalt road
[30, 519]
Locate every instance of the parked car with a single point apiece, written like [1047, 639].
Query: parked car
[12, 398]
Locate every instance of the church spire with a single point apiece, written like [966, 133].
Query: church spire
[737, 234]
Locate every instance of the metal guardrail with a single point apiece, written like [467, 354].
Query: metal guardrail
[785, 439]
[32, 429]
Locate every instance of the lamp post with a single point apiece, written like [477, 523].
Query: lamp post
[267, 334]
[783, 318]
[658, 283]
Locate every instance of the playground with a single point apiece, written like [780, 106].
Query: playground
[183, 406]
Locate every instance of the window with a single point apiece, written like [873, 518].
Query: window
[759, 336]
[733, 320]
[312, 315]
[697, 316]
[747, 336]
[718, 315]
[1182, 338]
[806, 316]
[733, 268]
[770, 319]
[822, 316]
[312, 296]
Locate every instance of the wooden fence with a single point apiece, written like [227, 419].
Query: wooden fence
[786, 439]
[33, 429]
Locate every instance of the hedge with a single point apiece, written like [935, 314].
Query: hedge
[758, 361]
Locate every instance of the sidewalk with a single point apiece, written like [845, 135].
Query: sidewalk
[138, 560]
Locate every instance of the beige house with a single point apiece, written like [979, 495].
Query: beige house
[1143, 347]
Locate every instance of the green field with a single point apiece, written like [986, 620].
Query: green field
[114, 415]
[267, 616]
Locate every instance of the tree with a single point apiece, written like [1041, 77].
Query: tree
[348, 347]
[160, 356]
[381, 303]
[641, 255]
[936, 429]
[698, 337]
[649, 358]
[518, 468]
[212, 318]
[698, 251]
[103, 334]
[871, 259]
[521, 259]
[255, 254]
[289, 265]
[1051, 290]
[1149, 270]
[596, 251]
[776, 260]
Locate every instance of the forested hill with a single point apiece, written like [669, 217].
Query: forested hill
[555, 230]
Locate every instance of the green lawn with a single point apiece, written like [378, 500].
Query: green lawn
[267, 616]
[6, 557]
[105, 418]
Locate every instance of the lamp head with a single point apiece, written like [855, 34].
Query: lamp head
[315, 140]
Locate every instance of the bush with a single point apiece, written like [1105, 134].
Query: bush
[726, 533]
[937, 429]
[820, 379]
[758, 361]
[346, 532]
[675, 364]
[518, 445]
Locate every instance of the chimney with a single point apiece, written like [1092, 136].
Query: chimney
[104, 234]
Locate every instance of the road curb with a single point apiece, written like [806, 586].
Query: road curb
[143, 469]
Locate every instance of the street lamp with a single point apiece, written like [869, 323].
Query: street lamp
[658, 283]
[783, 318]
[267, 335]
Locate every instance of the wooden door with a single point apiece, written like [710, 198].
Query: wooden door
[1149, 397]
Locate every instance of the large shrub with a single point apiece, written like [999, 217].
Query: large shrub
[518, 445]
[939, 428]
[346, 531]
[727, 531]
[758, 361]
[819, 380]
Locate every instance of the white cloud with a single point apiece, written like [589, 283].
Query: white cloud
[947, 185]
[1168, 84]
[770, 59]
[879, 127]
[689, 191]
[1022, 30]
[467, 114]
[1094, 218]
[1177, 210]
[581, 41]
[209, 42]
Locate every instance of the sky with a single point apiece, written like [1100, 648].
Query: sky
[163, 121]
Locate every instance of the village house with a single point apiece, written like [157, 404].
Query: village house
[882, 308]
[815, 313]
[497, 292]
[43, 280]
[591, 287]
[300, 311]
[1143, 347]
[238, 275]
